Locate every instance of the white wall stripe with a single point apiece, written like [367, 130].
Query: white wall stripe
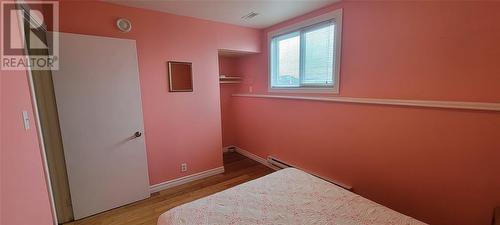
[484, 106]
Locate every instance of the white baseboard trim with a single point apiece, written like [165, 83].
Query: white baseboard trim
[255, 157]
[182, 180]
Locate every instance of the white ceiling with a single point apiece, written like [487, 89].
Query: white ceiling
[230, 11]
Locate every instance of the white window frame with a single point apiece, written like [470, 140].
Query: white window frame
[336, 16]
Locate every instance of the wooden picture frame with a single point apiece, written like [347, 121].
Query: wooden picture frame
[180, 76]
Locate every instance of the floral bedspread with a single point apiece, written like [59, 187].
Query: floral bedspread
[289, 197]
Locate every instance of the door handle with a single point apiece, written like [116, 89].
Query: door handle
[137, 134]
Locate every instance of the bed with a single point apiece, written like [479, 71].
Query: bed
[289, 197]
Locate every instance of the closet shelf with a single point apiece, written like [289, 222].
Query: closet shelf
[229, 79]
[229, 82]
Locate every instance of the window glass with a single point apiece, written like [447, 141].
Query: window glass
[319, 51]
[288, 63]
[305, 58]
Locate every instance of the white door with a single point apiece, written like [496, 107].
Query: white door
[99, 105]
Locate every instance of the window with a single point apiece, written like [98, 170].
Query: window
[305, 57]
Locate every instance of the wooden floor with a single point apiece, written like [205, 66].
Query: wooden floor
[238, 169]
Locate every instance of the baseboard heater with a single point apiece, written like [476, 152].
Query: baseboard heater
[277, 163]
[282, 165]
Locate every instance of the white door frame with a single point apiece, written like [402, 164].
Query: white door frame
[36, 115]
[41, 142]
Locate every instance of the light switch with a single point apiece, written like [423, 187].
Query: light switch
[26, 120]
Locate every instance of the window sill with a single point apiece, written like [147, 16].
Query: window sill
[330, 90]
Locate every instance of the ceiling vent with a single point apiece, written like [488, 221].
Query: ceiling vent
[249, 16]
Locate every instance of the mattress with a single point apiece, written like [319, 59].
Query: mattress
[289, 197]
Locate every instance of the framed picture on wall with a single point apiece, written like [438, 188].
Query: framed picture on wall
[180, 76]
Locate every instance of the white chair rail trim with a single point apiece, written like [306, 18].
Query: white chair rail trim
[484, 106]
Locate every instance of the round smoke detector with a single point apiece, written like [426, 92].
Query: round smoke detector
[124, 25]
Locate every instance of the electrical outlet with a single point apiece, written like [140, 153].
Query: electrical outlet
[184, 167]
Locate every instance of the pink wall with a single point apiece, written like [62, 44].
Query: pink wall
[179, 127]
[228, 128]
[23, 191]
[440, 166]
[437, 165]
[228, 66]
